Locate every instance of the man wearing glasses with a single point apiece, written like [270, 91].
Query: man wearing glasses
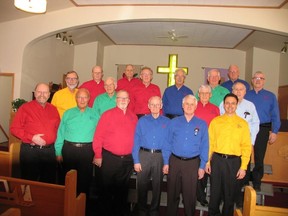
[268, 112]
[65, 98]
[112, 144]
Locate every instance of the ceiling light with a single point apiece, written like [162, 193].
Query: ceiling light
[71, 42]
[284, 49]
[65, 40]
[58, 36]
[31, 6]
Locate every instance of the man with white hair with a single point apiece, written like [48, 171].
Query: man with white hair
[187, 153]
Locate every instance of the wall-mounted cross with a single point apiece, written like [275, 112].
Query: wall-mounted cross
[173, 65]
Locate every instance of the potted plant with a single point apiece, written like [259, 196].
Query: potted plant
[17, 103]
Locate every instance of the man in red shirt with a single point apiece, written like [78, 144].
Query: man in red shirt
[206, 111]
[112, 145]
[128, 82]
[96, 85]
[143, 92]
[36, 124]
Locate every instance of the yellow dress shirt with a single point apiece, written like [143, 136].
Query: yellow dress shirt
[63, 100]
[230, 135]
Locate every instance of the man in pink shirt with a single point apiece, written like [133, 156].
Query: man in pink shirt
[96, 85]
[112, 144]
[143, 92]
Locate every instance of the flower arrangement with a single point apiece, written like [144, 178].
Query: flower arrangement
[17, 103]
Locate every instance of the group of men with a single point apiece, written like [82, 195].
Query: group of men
[124, 126]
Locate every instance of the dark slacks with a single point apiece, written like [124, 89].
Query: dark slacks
[223, 184]
[80, 159]
[259, 154]
[201, 186]
[182, 178]
[152, 164]
[38, 164]
[116, 172]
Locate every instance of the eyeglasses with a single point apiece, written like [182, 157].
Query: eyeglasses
[71, 79]
[84, 97]
[42, 92]
[258, 78]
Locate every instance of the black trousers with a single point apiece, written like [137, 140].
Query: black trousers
[80, 159]
[116, 172]
[259, 154]
[152, 164]
[223, 184]
[182, 178]
[201, 186]
[38, 164]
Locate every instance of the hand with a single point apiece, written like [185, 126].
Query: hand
[165, 169]
[59, 159]
[241, 174]
[97, 162]
[272, 138]
[201, 173]
[137, 167]
[37, 139]
[208, 168]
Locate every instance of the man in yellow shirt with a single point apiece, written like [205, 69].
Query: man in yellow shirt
[229, 154]
[65, 98]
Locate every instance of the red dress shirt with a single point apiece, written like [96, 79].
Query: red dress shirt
[115, 132]
[207, 112]
[141, 95]
[125, 84]
[94, 88]
[32, 118]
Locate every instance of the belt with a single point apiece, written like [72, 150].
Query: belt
[171, 116]
[226, 156]
[185, 158]
[151, 150]
[267, 125]
[140, 115]
[78, 144]
[119, 156]
[38, 146]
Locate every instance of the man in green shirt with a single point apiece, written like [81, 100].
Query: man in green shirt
[73, 145]
[107, 100]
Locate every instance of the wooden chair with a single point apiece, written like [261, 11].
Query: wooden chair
[251, 209]
[12, 212]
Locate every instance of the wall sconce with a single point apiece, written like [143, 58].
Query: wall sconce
[58, 36]
[71, 42]
[31, 6]
[284, 49]
[65, 40]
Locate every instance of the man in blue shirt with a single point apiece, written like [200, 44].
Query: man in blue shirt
[173, 95]
[233, 74]
[149, 140]
[268, 112]
[187, 152]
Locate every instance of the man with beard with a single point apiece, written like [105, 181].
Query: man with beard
[36, 124]
[65, 98]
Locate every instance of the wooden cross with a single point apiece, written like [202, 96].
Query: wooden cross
[173, 65]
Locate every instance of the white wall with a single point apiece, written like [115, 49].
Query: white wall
[193, 58]
[283, 75]
[44, 61]
[269, 63]
[85, 57]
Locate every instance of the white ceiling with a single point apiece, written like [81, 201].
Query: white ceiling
[157, 33]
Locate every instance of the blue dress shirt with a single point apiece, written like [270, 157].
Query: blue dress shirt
[187, 139]
[150, 133]
[228, 84]
[172, 99]
[267, 107]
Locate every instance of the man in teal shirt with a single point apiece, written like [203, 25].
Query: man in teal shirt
[107, 100]
[218, 91]
[73, 145]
